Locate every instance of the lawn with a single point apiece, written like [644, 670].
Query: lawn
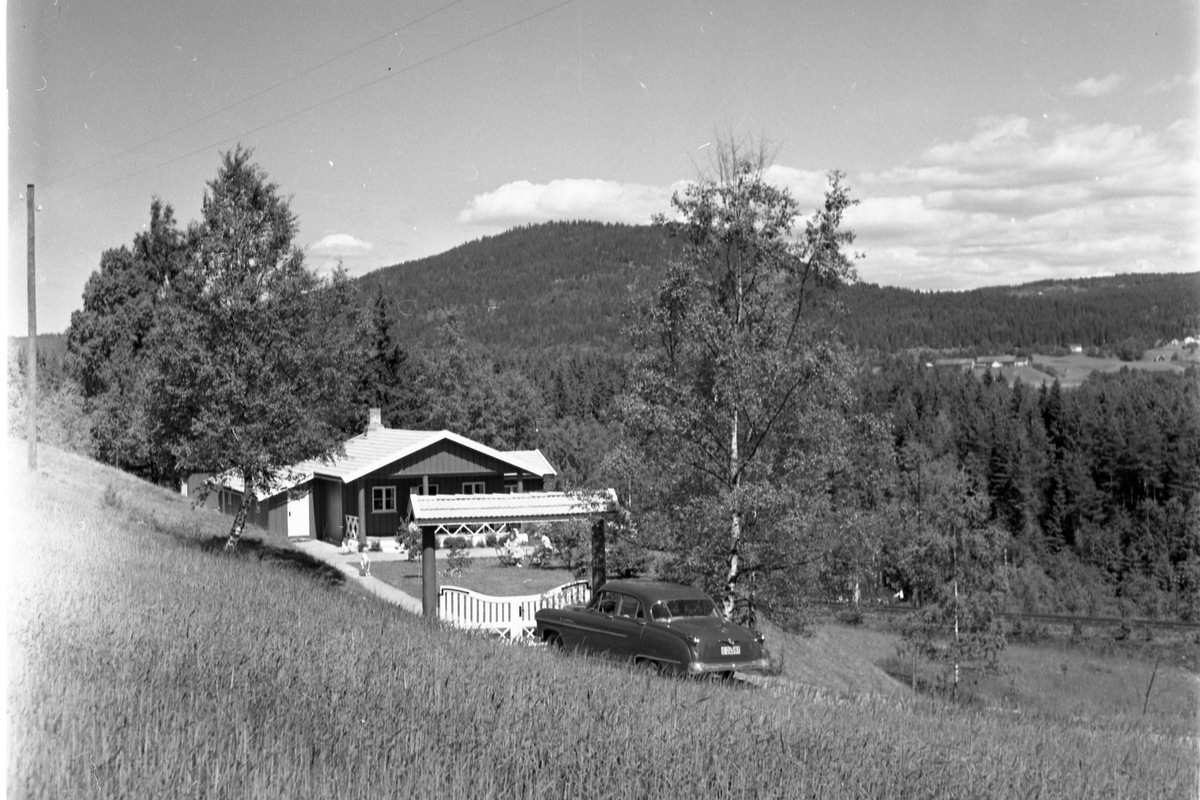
[484, 575]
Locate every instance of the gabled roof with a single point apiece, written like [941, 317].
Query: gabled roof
[376, 449]
[449, 509]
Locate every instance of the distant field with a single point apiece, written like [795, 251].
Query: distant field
[1072, 370]
[144, 662]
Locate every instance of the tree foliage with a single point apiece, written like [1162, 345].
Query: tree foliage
[249, 371]
[108, 337]
[738, 399]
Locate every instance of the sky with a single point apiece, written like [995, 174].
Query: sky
[989, 142]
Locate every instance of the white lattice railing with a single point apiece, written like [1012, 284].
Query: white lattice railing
[475, 532]
[511, 617]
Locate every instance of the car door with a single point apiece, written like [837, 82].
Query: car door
[627, 624]
[598, 631]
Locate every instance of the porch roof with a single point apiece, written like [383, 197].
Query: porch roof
[456, 509]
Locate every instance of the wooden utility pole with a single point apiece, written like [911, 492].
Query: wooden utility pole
[31, 350]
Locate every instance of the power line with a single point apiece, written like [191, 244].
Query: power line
[253, 96]
[324, 102]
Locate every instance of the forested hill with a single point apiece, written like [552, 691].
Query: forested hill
[567, 283]
[558, 283]
[1041, 316]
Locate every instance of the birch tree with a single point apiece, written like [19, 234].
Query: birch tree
[254, 356]
[739, 396]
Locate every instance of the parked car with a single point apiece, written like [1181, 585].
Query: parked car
[662, 626]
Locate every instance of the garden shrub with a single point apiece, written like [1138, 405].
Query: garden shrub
[408, 537]
[457, 557]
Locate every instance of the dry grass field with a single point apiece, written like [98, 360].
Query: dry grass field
[1072, 370]
[144, 662]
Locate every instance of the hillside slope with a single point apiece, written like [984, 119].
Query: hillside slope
[567, 284]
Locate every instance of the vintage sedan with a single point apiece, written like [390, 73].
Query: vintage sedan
[662, 626]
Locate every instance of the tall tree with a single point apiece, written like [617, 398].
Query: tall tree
[390, 379]
[107, 338]
[737, 397]
[254, 355]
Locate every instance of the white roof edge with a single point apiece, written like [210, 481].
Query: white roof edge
[433, 438]
[380, 463]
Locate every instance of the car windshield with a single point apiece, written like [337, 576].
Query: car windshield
[684, 607]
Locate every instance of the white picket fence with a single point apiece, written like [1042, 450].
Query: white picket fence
[511, 617]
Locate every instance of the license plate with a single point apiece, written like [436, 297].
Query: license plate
[728, 650]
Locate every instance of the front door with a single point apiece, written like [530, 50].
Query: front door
[297, 511]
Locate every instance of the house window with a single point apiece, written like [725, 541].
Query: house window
[510, 488]
[420, 489]
[383, 499]
[474, 487]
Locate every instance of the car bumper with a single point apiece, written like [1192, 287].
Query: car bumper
[709, 667]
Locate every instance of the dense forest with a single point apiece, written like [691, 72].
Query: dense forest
[567, 283]
[517, 341]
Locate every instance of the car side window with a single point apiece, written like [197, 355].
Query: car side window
[659, 611]
[607, 603]
[631, 608]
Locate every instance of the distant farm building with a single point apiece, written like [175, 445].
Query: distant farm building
[964, 364]
[995, 362]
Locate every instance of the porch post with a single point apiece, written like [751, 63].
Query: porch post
[599, 566]
[362, 514]
[429, 591]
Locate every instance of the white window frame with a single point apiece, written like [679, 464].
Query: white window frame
[388, 495]
[420, 489]
[475, 487]
[510, 488]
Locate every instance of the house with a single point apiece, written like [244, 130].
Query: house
[367, 491]
[994, 362]
[964, 364]
[1076, 348]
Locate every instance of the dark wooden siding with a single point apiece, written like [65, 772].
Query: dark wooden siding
[446, 458]
[276, 512]
[327, 510]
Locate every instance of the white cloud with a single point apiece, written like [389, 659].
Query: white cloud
[335, 249]
[569, 198]
[1095, 87]
[1177, 81]
[1015, 200]
[1021, 201]
[340, 244]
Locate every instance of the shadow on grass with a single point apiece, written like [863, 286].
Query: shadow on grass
[286, 557]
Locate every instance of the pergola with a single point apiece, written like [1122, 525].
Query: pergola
[488, 511]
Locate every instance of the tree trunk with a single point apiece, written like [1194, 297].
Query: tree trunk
[239, 519]
[735, 526]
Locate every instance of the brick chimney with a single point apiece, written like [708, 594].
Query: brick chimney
[375, 420]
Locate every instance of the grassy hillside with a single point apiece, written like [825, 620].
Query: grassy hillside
[143, 662]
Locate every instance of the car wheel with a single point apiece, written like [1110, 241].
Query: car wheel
[554, 642]
[649, 665]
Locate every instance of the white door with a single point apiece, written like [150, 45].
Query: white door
[297, 512]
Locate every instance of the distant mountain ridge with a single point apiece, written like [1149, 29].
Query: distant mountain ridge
[568, 283]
